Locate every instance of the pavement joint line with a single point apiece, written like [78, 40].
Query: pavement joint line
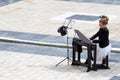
[59, 45]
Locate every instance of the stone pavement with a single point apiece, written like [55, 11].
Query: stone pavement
[43, 40]
[112, 2]
[25, 66]
[25, 62]
[6, 2]
[35, 16]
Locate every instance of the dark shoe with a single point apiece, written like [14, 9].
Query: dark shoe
[75, 63]
[104, 67]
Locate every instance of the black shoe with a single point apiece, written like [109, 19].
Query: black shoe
[104, 67]
[75, 63]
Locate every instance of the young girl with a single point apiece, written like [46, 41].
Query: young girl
[103, 46]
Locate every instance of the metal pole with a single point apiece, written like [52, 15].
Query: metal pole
[67, 49]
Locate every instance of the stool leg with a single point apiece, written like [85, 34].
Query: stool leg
[79, 56]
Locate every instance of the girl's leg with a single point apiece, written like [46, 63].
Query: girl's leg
[105, 62]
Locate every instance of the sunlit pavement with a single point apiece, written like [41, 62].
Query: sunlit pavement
[33, 20]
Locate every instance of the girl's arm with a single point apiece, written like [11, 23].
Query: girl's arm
[94, 36]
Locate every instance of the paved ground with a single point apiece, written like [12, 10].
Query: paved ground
[24, 66]
[33, 20]
[15, 17]
[6, 2]
[43, 37]
[44, 50]
[111, 2]
[21, 62]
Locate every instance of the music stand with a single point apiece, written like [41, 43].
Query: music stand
[67, 57]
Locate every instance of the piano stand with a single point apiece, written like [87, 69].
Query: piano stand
[77, 48]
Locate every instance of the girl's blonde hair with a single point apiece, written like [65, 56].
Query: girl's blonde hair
[104, 20]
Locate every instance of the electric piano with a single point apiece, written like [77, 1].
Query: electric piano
[77, 47]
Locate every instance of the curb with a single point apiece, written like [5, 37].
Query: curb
[36, 43]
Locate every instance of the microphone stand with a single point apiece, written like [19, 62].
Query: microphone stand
[67, 57]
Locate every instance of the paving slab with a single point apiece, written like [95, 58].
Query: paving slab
[45, 50]
[43, 38]
[35, 16]
[111, 2]
[25, 66]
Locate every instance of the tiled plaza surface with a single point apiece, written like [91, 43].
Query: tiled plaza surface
[35, 16]
[25, 62]
[25, 66]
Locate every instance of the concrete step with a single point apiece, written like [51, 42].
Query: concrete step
[37, 43]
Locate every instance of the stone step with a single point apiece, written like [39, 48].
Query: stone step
[37, 43]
